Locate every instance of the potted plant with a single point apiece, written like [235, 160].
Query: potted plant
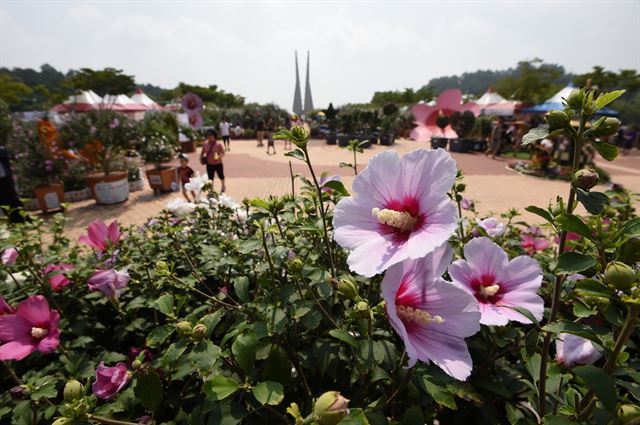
[462, 123]
[331, 114]
[481, 131]
[387, 136]
[347, 127]
[187, 138]
[101, 138]
[159, 145]
[39, 163]
[442, 121]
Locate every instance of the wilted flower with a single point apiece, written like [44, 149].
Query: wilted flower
[180, 208]
[467, 204]
[110, 380]
[492, 226]
[572, 349]
[497, 283]
[191, 102]
[99, 236]
[33, 327]
[401, 210]
[9, 256]
[56, 275]
[431, 316]
[110, 282]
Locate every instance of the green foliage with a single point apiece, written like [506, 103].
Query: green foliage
[102, 82]
[158, 138]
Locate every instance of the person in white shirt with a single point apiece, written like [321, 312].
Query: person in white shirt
[224, 131]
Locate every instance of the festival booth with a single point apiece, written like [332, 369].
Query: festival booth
[124, 104]
[84, 101]
[491, 103]
[141, 98]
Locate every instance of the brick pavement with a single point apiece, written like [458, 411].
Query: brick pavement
[252, 173]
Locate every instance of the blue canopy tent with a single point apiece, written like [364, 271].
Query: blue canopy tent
[555, 102]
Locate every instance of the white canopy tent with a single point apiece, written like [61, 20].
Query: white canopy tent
[141, 98]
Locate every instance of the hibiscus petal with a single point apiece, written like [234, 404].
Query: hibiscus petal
[448, 352]
[439, 226]
[376, 256]
[378, 181]
[485, 256]
[97, 233]
[492, 315]
[459, 310]
[353, 222]
[113, 232]
[14, 327]
[35, 309]
[525, 299]
[427, 173]
[522, 273]
[16, 350]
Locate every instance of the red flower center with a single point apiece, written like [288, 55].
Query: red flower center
[400, 217]
[487, 290]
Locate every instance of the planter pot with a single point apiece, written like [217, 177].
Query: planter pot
[387, 139]
[77, 195]
[49, 197]
[479, 146]
[136, 185]
[461, 145]
[439, 142]
[109, 189]
[188, 147]
[343, 139]
[366, 140]
[332, 139]
[163, 178]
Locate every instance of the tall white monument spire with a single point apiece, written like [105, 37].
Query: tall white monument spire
[308, 100]
[297, 97]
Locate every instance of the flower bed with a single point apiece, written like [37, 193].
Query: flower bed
[324, 307]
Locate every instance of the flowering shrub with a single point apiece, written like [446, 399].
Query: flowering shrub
[159, 138]
[224, 312]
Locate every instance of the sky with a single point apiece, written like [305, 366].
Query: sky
[357, 47]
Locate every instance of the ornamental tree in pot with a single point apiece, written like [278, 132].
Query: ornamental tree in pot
[159, 145]
[387, 135]
[331, 113]
[101, 138]
[442, 121]
[462, 123]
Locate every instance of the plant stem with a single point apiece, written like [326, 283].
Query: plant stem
[293, 186]
[322, 213]
[108, 421]
[268, 255]
[402, 384]
[557, 287]
[199, 292]
[588, 402]
[355, 166]
[317, 301]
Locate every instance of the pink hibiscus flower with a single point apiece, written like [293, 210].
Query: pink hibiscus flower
[99, 236]
[191, 102]
[401, 210]
[573, 349]
[492, 226]
[110, 282]
[431, 315]
[56, 275]
[110, 380]
[33, 327]
[9, 256]
[497, 283]
[5, 308]
[532, 244]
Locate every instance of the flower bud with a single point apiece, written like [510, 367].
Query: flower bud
[330, 408]
[63, 421]
[461, 187]
[73, 390]
[619, 275]
[296, 265]
[184, 328]
[557, 208]
[299, 136]
[136, 364]
[630, 251]
[608, 127]
[629, 414]
[557, 120]
[575, 100]
[162, 268]
[585, 179]
[19, 392]
[200, 331]
[347, 288]
[290, 235]
[361, 309]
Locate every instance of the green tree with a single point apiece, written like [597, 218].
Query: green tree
[406, 97]
[105, 81]
[533, 82]
[209, 94]
[13, 91]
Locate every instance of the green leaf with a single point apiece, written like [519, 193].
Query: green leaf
[226, 412]
[344, 337]
[606, 150]
[241, 287]
[158, 335]
[148, 389]
[593, 288]
[601, 384]
[338, 186]
[594, 202]
[583, 331]
[526, 313]
[533, 366]
[558, 420]
[439, 394]
[355, 417]
[244, 349]
[345, 165]
[540, 212]
[220, 387]
[296, 153]
[282, 134]
[164, 304]
[606, 98]
[413, 416]
[573, 262]
[572, 223]
[627, 231]
[260, 203]
[268, 392]
[277, 366]
[204, 356]
[535, 134]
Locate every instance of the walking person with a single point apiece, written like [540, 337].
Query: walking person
[270, 141]
[224, 132]
[260, 131]
[211, 155]
[497, 136]
[287, 125]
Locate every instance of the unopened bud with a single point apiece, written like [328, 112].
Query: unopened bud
[136, 364]
[162, 268]
[557, 208]
[619, 275]
[585, 179]
[184, 327]
[361, 309]
[608, 127]
[199, 331]
[629, 414]
[290, 235]
[461, 187]
[73, 390]
[347, 288]
[299, 136]
[557, 120]
[630, 251]
[296, 265]
[330, 408]
[575, 100]
[19, 392]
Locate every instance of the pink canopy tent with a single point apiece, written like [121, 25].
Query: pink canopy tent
[448, 101]
[491, 103]
[123, 103]
[84, 101]
[141, 98]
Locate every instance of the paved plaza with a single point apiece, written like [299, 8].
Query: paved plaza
[252, 173]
